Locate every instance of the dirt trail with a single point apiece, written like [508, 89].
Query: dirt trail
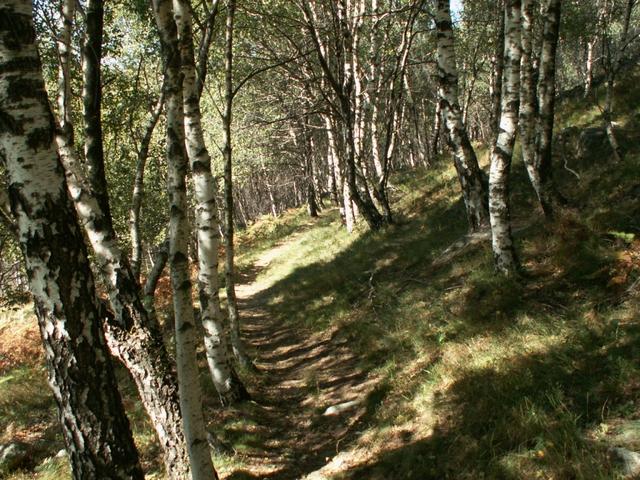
[288, 435]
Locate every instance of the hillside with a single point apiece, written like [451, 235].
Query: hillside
[400, 354]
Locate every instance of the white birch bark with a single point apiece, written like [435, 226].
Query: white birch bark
[94, 426]
[541, 172]
[224, 378]
[502, 241]
[466, 163]
[229, 234]
[528, 112]
[179, 232]
[132, 335]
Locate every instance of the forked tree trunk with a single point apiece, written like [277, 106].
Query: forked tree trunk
[179, 233]
[504, 253]
[132, 335]
[466, 163]
[227, 383]
[94, 425]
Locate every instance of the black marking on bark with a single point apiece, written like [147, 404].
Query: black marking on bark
[179, 257]
[8, 124]
[21, 65]
[200, 167]
[16, 29]
[40, 138]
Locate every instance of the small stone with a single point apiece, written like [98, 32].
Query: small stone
[629, 461]
[341, 407]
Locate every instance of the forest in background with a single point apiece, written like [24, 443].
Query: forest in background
[361, 152]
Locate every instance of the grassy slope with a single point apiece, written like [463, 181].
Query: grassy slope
[484, 376]
[480, 376]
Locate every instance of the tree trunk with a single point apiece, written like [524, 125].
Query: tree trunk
[229, 242]
[613, 56]
[502, 242]
[92, 106]
[132, 336]
[528, 104]
[179, 232]
[541, 173]
[466, 163]
[588, 80]
[94, 425]
[343, 87]
[498, 73]
[138, 189]
[332, 160]
[149, 290]
[226, 381]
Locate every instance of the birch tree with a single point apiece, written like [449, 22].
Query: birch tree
[227, 157]
[541, 172]
[341, 81]
[466, 163]
[179, 231]
[502, 241]
[132, 335]
[226, 381]
[94, 426]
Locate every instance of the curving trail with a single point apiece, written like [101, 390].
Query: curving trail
[302, 374]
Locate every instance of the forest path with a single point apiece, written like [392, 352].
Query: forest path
[287, 433]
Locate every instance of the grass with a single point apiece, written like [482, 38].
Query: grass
[499, 378]
[481, 377]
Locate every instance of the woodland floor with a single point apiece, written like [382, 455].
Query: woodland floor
[453, 372]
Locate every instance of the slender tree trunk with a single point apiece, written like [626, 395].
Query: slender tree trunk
[528, 104]
[227, 154]
[332, 160]
[343, 87]
[312, 204]
[541, 172]
[469, 173]
[588, 81]
[94, 425]
[179, 232]
[138, 189]
[148, 292]
[437, 127]
[502, 242]
[613, 61]
[226, 381]
[498, 73]
[92, 106]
